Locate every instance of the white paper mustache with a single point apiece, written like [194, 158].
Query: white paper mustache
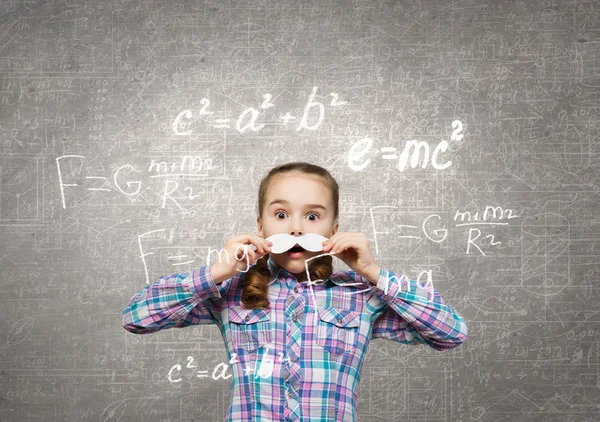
[283, 242]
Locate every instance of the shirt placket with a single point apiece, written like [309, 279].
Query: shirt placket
[292, 373]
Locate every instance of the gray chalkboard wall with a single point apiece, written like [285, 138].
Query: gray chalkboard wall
[134, 134]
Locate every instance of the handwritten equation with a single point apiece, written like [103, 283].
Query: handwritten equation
[221, 370]
[249, 117]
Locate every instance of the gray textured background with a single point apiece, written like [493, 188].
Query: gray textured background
[104, 82]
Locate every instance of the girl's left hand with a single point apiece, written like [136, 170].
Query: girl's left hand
[353, 249]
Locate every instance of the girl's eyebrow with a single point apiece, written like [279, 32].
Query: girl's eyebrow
[283, 201]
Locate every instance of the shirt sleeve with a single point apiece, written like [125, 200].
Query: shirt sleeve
[176, 300]
[414, 314]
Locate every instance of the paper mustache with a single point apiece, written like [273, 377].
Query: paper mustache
[283, 242]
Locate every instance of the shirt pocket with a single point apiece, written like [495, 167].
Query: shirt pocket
[250, 328]
[337, 329]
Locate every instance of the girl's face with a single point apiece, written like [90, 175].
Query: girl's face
[296, 203]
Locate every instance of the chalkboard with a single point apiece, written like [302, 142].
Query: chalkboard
[464, 137]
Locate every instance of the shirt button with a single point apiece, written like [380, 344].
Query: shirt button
[340, 320]
[247, 318]
[290, 395]
[296, 289]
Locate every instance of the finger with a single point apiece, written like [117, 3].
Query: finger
[261, 243]
[248, 239]
[244, 250]
[256, 257]
[253, 248]
[252, 257]
[351, 240]
[266, 243]
[260, 249]
[249, 256]
[255, 241]
[333, 241]
[343, 245]
[239, 252]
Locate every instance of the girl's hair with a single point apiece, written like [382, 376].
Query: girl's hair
[256, 279]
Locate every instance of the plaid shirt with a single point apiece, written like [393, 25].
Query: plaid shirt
[299, 359]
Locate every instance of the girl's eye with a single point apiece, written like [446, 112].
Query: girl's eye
[282, 212]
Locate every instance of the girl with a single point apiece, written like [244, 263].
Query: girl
[296, 334]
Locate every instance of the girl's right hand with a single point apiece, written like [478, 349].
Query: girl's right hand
[247, 248]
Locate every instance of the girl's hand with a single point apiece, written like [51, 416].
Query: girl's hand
[353, 249]
[242, 251]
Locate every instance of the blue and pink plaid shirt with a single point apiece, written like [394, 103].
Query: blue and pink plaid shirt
[300, 359]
